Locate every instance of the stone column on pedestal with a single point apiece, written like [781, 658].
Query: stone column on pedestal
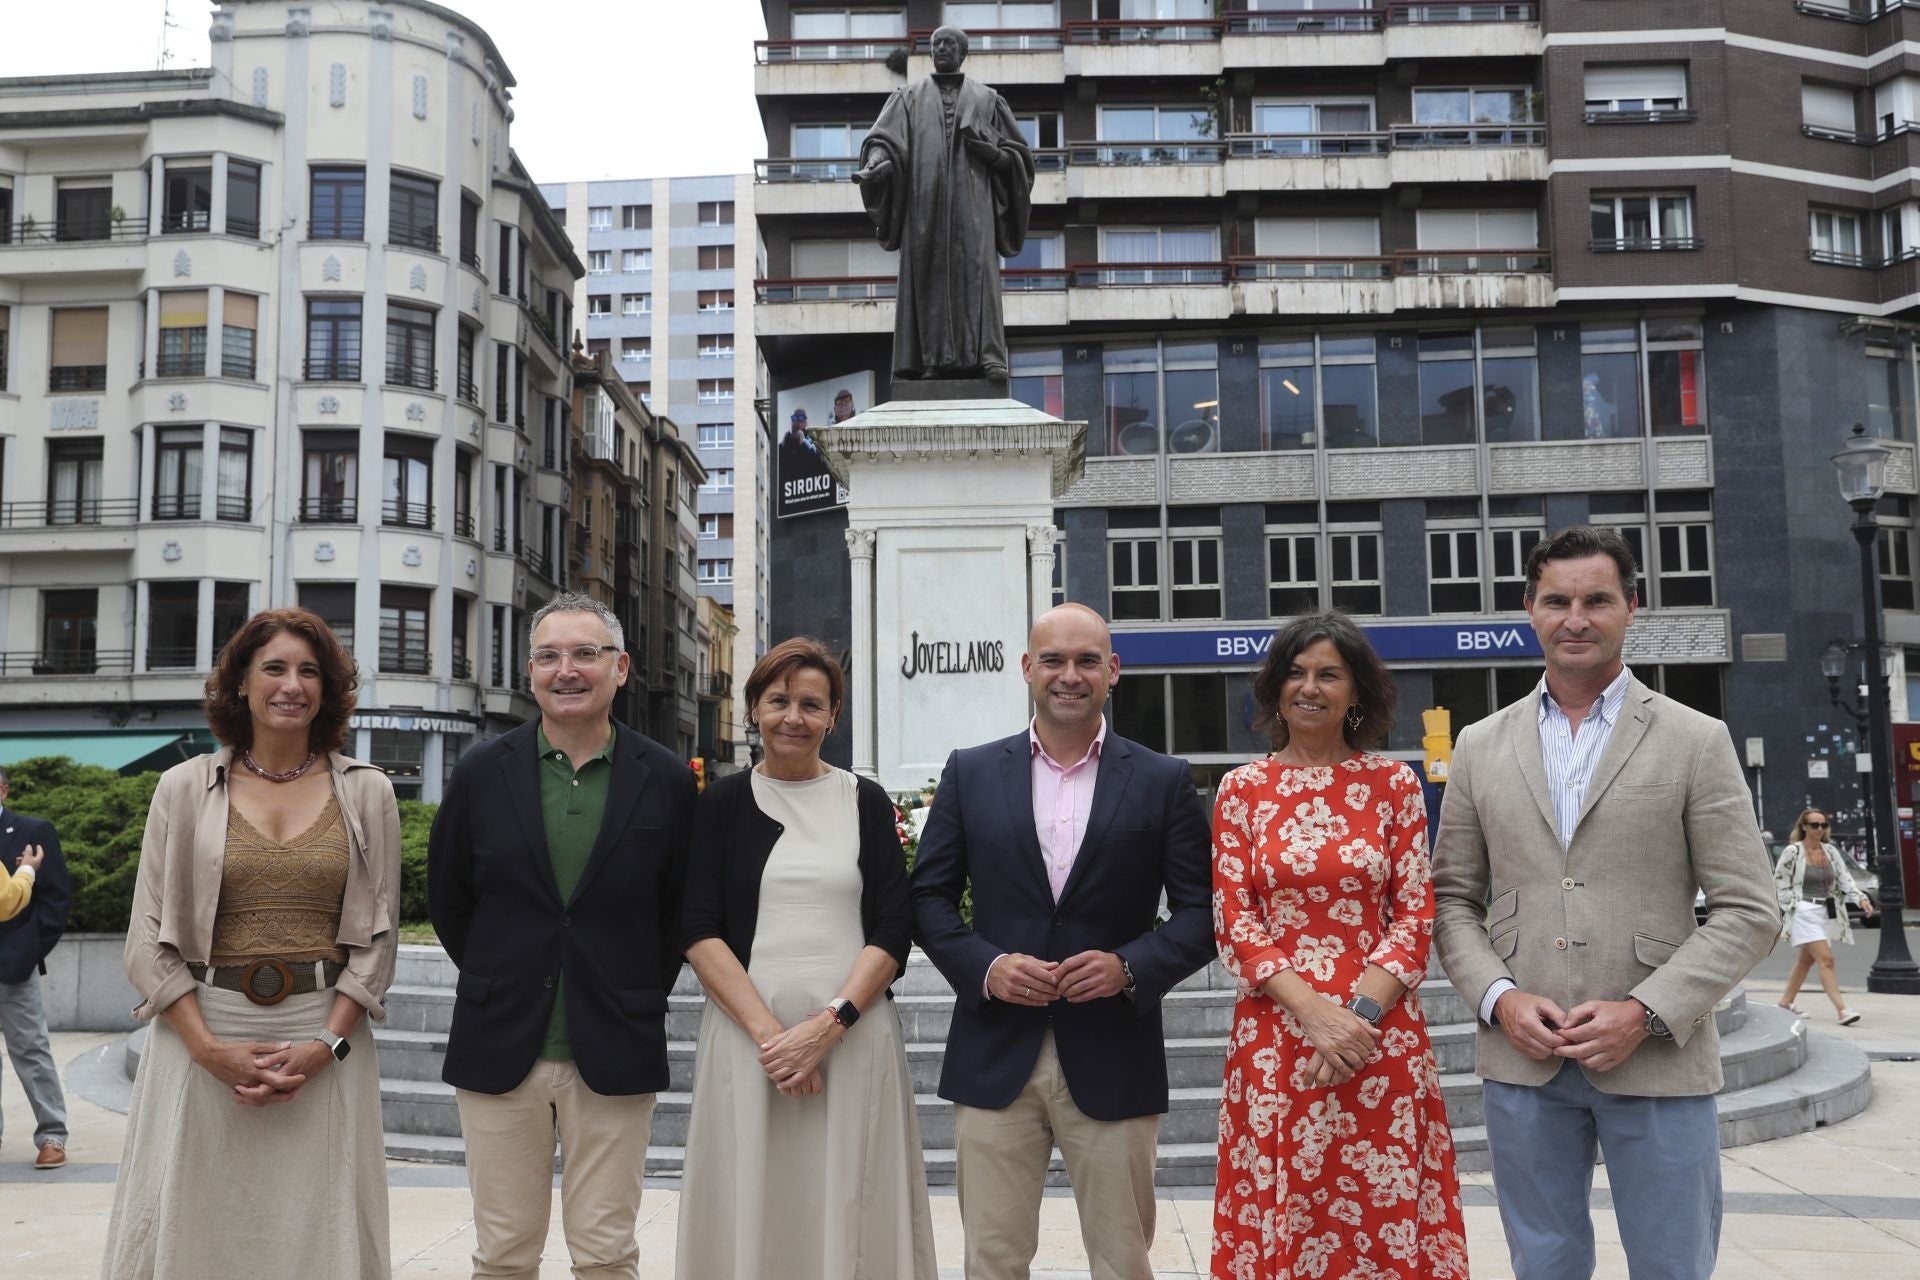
[860, 547]
[1041, 541]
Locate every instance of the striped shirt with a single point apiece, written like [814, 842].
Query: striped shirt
[1569, 758]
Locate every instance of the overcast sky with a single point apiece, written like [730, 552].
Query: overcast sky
[607, 88]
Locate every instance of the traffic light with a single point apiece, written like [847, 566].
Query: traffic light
[699, 766]
[1438, 722]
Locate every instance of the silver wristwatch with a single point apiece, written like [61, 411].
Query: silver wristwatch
[1655, 1025]
[336, 1045]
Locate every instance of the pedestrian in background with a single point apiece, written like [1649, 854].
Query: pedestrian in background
[1814, 886]
[27, 933]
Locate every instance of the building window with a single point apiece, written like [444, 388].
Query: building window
[79, 350]
[715, 436]
[183, 335]
[631, 304]
[1472, 232]
[1293, 560]
[243, 199]
[720, 479]
[1473, 105]
[413, 214]
[824, 151]
[1609, 381]
[73, 481]
[1353, 556]
[1474, 374]
[1136, 578]
[1676, 381]
[330, 472]
[715, 391]
[1641, 92]
[332, 602]
[1621, 223]
[716, 213]
[83, 210]
[716, 571]
[69, 624]
[1625, 514]
[600, 217]
[1834, 236]
[463, 357]
[233, 476]
[1174, 383]
[709, 528]
[1318, 248]
[1827, 111]
[188, 203]
[1896, 565]
[410, 347]
[716, 257]
[469, 231]
[1453, 560]
[599, 305]
[407, 491]
[176, 472]
[1154, 134]
[403, 630]
[462, 667]
[1889, 393]
[1038, 380]
[1194, 556]
[173, 621]
[240, 322]
[716, 346]
[636, 259]
[1510, 549]
[599, 262]
[6, 320]
[338, 209]
[1310, 127]
[1159, 255]
[232, 603]
[1340, 369]
[636, 217]
[1684, 524]
[636, 349]
[333, 339]
[712, 299]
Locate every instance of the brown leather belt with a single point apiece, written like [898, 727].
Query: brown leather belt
[269, 981]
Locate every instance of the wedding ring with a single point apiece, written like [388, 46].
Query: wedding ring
[1027, 992]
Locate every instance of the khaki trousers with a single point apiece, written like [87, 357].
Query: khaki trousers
[1002, 1171]
[603, 1142]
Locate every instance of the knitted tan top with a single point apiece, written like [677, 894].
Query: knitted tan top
[282, 900]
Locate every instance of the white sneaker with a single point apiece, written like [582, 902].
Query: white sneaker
[1848, 1017]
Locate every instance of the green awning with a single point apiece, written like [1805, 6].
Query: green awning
[125, 752]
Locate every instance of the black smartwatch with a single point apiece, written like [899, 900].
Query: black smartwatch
[336, 1045]
[1367, 1008]
[844, 1011]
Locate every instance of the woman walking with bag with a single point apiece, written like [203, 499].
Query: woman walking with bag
[1814, 886]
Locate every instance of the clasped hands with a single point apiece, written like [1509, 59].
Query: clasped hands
[263, 1073]
[791, 1056]
[1016, 978]
[1342, 1042]
[1600, 1034]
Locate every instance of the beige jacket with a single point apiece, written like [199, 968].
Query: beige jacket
[1611, 917]
[177, 888]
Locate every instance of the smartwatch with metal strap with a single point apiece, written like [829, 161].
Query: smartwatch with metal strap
[336, 1045]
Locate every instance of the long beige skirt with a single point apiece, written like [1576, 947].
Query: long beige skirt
[209, 1188]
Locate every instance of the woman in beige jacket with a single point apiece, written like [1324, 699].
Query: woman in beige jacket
[264, 932]
[1814, 887]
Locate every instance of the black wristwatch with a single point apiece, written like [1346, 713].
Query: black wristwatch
[1655, 1025]
[1368, 1008]
[336, 1045]
[844, 1011]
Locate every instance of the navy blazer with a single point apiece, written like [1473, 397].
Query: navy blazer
[496, 906]
[26, 939]
[1147, 832]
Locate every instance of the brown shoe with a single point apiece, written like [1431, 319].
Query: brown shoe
[52, 1156]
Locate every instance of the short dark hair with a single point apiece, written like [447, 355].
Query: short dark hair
[802, 653]
[1577, 542]
[1372, 684]
[229, 717]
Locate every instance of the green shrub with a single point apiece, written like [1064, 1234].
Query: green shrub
[416, 820]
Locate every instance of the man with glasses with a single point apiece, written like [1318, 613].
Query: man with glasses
[554, 877]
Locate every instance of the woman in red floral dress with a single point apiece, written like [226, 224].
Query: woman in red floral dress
[1336, 1160]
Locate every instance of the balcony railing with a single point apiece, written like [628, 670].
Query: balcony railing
[1311, 268]
[1034, 279]
[1100, 275]
[427, 238]
[1170, 31]
[1483, 134]
[1146, 153]
[352, 228]
[500, 542]
[176, 506]
[64, 662]
[171, 657]
[400, 514]
[470, 257]
[421, 377]
[823, 169]
[1655, 115]
[1833, 257]
[769, 51]
[180, 222]
[826, 289]
[716, 684]
[541, 563]
[1310, 22]
[462, 667]
[72, 230]
[333, 369]
[180, 364]
[1429, 262]
[541, 325]
[63, 512]
[1246, 145]
[469, 389]
[232, 507]
[329, 511]
[1644, 244]
[246, 228]
[400, 659]
[1431, 14]
[77, 377]
[1001, 40]
[239, 367]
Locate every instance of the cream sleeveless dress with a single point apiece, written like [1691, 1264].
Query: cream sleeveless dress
[828, 1187]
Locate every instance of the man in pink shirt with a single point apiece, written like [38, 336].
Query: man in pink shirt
[1069, 835]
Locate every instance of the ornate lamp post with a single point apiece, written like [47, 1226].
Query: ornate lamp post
[1862, 466]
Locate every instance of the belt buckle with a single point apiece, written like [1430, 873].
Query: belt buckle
[253, 970]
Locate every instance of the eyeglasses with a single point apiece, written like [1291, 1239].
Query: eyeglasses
[1815, 826]
[583, 655]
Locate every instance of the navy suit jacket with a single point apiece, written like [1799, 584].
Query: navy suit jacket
[26, 939]
[1147, 832]
[498, 911]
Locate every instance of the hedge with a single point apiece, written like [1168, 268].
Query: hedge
[101, 817]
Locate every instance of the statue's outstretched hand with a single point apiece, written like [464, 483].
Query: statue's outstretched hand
[874, 172]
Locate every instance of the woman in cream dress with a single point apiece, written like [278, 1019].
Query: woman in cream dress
[803, 1150]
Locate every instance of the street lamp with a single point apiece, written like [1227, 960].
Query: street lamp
[1862, 467]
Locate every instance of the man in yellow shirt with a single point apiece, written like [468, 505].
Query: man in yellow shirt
[29, 928]
[16, 891]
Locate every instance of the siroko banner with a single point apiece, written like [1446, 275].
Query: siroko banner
[803, 483]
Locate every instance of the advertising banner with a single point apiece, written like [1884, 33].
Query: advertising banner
[804, 485]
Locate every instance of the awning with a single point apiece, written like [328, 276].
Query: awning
[128, 752]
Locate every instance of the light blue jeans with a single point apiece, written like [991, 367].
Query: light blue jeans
[1663, 1166]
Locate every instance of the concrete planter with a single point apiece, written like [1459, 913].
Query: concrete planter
[86, 987]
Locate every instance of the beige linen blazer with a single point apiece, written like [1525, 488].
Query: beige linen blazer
[1611, 916]
[177, 887]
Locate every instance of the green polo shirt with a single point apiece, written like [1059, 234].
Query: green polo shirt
[571, 806]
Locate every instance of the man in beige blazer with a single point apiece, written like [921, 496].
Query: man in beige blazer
[1577, 824]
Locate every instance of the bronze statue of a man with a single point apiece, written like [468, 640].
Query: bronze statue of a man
[948, 181]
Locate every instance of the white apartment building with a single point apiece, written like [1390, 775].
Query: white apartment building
[289, 329]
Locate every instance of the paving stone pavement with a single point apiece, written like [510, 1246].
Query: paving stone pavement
[1842, 1200]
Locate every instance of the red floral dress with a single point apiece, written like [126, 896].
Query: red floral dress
[1324, 871]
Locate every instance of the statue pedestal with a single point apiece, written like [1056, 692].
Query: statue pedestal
[950, 528]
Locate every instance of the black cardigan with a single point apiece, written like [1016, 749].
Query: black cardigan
[732, 838]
